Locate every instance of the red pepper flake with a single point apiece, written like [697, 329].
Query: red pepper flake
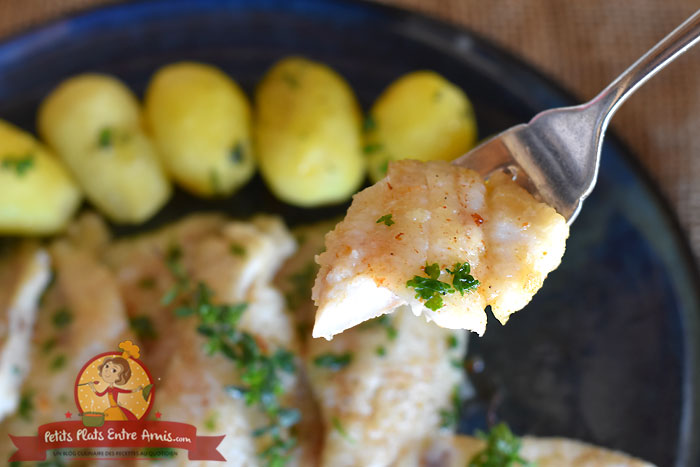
[389, 185]
[398, 237]
[478, 220]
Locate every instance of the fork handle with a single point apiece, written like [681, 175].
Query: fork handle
[670, 47]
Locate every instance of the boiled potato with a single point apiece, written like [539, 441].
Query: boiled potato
[200, 122]
[419, 116]
[93, 123]
[308, 134]
[37, 195]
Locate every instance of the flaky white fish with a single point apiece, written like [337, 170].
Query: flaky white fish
[407, 240]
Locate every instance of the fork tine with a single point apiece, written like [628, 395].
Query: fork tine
[493, 155]
[489, 156]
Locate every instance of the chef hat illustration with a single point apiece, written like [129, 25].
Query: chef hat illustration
[130, 350]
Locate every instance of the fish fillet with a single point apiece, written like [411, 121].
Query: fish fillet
[436, 213]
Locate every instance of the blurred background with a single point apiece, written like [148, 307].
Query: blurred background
[582, 45]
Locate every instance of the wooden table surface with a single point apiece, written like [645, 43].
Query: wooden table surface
[581, 44]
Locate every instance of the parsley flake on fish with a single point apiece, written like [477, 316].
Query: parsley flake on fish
[386, 219]
[462, 281]
[502, 449]
[333, 362]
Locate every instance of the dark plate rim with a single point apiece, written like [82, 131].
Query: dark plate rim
[688, 452]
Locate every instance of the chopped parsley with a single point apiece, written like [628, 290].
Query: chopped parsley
[48, 345]
[337, 426]
[502, 449]
[386, 219]
[169, 296]
[143, 327]
[62, 318]
[369, 148]
[462, 281]
[333, 362]
[302, 281]
[432, 289]
[105, 138]
[432, 270]
[385, 322]
[19, 164]
[450, 417]
[26, 405]
[237, 250]
[259, 368]
[210, 422]
[380, 351]
[370, 124]
[237, 154]
[58, 362]
[451, 341]
[172, 260]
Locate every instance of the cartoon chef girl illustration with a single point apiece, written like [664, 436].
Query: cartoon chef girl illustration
[115, 371]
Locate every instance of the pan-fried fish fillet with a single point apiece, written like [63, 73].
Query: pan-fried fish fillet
[81, 315]
[140, 265]
[385, 406]
[24, 273]
[237, 261]
[389, 401]
[547, 452]
[434, 212]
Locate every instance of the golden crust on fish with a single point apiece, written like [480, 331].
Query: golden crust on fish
[426, 213]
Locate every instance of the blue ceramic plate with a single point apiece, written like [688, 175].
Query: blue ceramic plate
[606, 352]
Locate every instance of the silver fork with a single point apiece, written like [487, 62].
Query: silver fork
[556, 156]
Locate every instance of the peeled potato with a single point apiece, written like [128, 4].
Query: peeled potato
[200, 122]
[307, 133]
[419, 116]
[93, 123]
[37, 195]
